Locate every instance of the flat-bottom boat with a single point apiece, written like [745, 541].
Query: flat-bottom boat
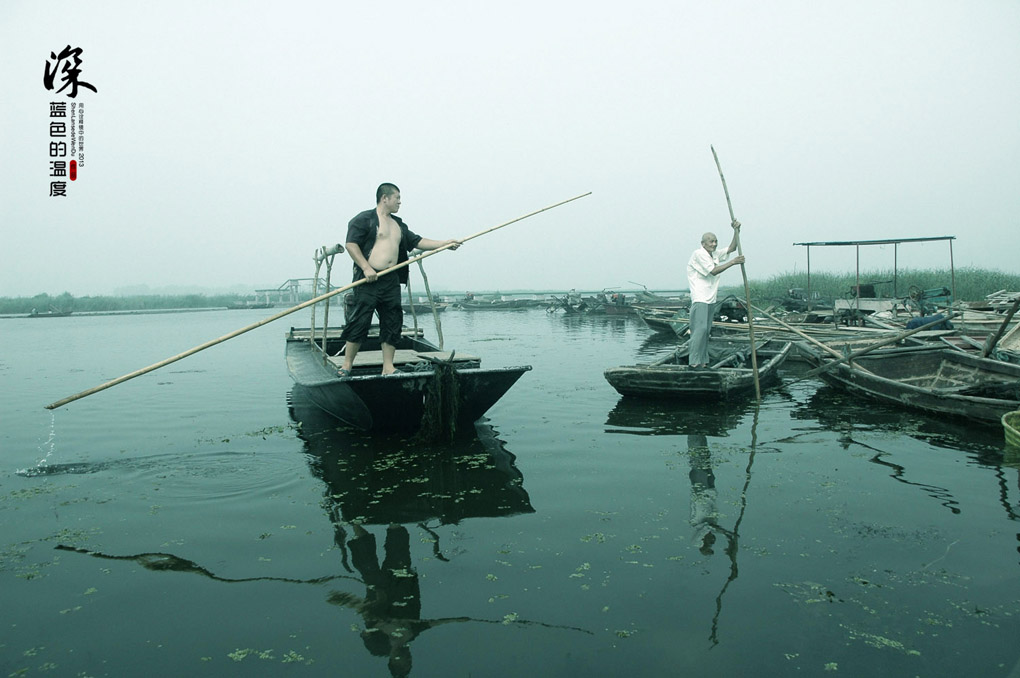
[441, 389]
[932, 379]
[730, 376]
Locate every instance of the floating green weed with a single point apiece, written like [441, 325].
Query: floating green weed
[242, 654]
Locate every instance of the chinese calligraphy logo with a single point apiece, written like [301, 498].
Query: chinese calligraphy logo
[67, 65]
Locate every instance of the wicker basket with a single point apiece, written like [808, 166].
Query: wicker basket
[1011, 424]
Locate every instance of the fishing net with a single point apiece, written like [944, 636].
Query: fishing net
[442, 392]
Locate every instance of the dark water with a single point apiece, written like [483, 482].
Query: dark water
[182, 523]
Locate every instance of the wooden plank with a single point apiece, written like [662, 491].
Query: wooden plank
[334, 332]
[401, 357]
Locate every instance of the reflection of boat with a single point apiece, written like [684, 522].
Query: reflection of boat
[846, 415]
[372, 482]
[637, 416]
[731, 374]
[434, 387]
[378, 481]
[935, 380]
[837, 410]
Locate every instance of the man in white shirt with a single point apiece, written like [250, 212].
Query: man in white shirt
[703, 271]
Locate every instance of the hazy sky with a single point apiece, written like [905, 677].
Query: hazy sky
[229, 139]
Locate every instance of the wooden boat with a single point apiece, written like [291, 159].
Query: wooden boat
[442, 389]
[433, 392]
[1011, 428]
[602, 303]
[249, 305]
[658, 319]
[501, 304]
[53, 313]
[1006, 348]
[730, 311]
[933, 379]
[730, 376]
[424, 309]
[649, 299]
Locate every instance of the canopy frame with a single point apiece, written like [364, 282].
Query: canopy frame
[895, 242]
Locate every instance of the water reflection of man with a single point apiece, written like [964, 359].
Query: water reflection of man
[391, 608]
[704, 518]
[391, 594]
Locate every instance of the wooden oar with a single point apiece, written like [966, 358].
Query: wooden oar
[743, 272]
[878, 344]
[1002, 328]
[306, 304]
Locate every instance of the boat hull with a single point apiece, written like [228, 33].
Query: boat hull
[398, 402]
[677, 380]
[939, 381]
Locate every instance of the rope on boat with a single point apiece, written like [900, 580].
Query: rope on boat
[442, 391]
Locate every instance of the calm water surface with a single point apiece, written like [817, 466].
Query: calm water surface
[185, 523]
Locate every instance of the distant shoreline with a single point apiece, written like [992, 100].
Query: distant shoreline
[140, 311]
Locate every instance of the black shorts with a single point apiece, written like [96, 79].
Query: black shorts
[382, 297]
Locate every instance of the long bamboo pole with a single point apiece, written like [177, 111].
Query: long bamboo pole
[306, 304]
[743, 272]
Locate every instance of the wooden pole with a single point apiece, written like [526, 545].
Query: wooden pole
[743, 272]
[306, 304]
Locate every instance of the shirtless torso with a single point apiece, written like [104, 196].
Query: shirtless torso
[387, 243]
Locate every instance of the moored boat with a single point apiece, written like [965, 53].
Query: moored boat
[500, 304]
[658, 319]
[52, 313]
[934, 379]
[730, 376]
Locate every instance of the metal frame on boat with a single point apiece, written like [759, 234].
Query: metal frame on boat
[856, 305]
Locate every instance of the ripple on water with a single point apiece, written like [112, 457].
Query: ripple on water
[209, 478]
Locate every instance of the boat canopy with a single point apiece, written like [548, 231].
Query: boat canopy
[895, 242]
